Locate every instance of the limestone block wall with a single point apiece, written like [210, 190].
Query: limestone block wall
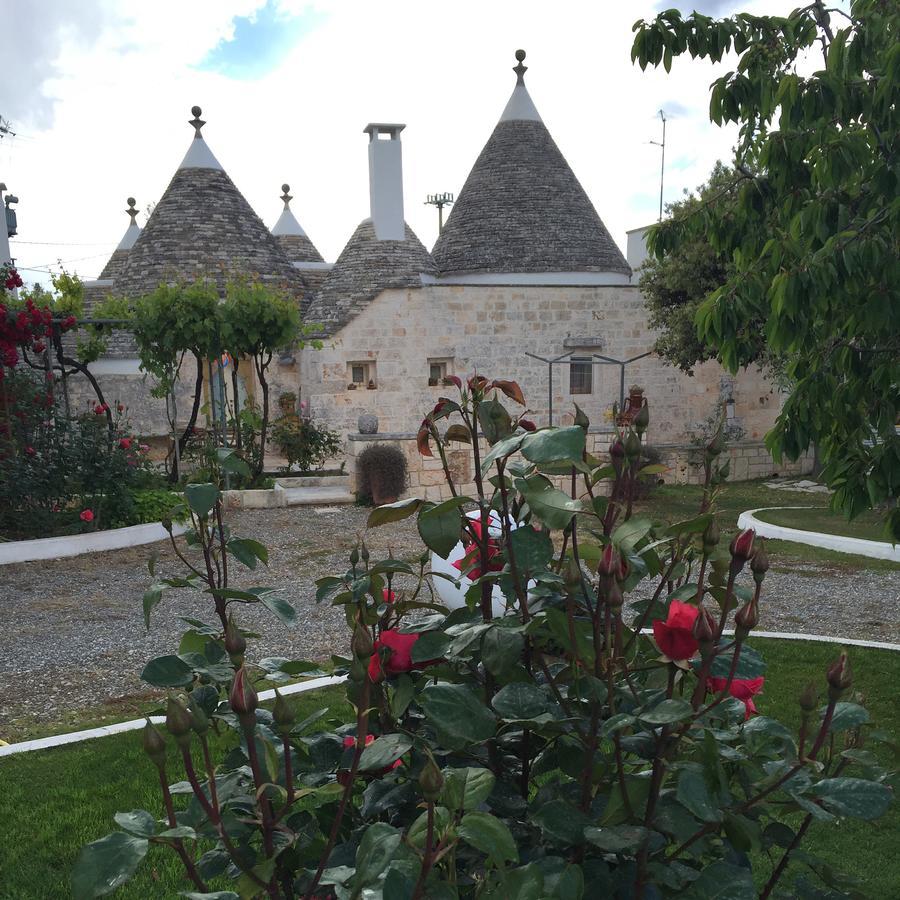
[490, 328]
[749, 460]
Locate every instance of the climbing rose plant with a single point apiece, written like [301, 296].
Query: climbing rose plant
[583, 744]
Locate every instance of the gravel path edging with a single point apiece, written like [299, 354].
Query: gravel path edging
[841, 543]
[74, 737]
[316, 683]
[77, 544]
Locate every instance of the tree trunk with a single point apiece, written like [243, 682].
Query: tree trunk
[238, 436]
[195, 408]
[261, 374]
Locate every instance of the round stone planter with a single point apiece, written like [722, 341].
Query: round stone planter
[367, 424]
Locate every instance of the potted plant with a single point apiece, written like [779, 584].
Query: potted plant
[287, 402]
[381, 473]
[371, 384]
[351, 386]
[432, 382]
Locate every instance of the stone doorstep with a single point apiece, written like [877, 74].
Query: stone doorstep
[301, 481]
[321, 495]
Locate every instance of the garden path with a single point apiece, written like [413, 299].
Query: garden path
[74, 635]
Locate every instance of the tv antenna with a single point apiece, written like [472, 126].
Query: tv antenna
[5, 128]
[662, 166]
[440, 201]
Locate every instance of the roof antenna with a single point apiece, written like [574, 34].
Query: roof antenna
[662, 165]
[520, 69]
[440, 201]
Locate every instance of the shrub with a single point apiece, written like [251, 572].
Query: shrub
[305, 444]
[154, 505]
[381, 471]
[555, 750]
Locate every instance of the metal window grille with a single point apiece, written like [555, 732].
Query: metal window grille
[581, 376]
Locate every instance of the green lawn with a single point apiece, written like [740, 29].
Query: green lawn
[671, 502]
[869, 526]
[53, 802]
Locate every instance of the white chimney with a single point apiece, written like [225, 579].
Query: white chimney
[386, 180]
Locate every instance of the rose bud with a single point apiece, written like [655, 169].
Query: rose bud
[632, 447]
[839, 677]
[200, 721]
[361, 644]
[431, 781]
[617, 454]
[283, 714]
[364, 552]
[154, 745]
[614, 596]
[624, 570]
[178, 721]
[235, 644]
[809, 698]
[710, 537]
[746, 619]
[609, 561]
[741, 549]
[572, 577]
[759, 565]
[243, 699]
[642, 419]
[704, 631]
[527, 425]
[354, 556]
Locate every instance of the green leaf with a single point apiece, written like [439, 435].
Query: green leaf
[501, 450]
[384, 751]
[629, 533]
[532, 549]
[401, 694]
[750, 664]
[280, 607]
[693, 793]
[846, 716]
[441, 525]
[137, 822]
[723, 881]
[466, 788]
[229, 461]
[494, 420]
[562, 880]
[697, 525]
[554, 445]
[618, 838]
[854, 797]
[248, 551]
[561, 822]
[521, 700]
[104, 865]
[393, 512]
[501, 649]
[376, 849]
[167, 672]
[201, 498]
[152, 598]
[554, 508]
[430, 645]
[459, 713]
[490, 835]
[668, 712]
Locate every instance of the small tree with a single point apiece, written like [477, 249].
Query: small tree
[256, 323]
[812, 234]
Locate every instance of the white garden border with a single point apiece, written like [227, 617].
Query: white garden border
[76, 544]
[313, 684]
[859, 546]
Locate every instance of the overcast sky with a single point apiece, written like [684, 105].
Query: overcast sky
[99, 94]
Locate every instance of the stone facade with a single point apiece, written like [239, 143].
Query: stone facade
[489, 328]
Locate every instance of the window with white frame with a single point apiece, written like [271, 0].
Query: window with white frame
[581, 375]
[361, 373]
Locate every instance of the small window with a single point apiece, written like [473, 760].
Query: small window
[361, 374]
[438, 370]
[358, 374]
[581, 376]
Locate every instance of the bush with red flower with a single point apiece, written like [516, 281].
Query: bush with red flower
[581, 744]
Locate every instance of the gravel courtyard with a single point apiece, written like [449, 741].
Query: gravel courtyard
[74, 636]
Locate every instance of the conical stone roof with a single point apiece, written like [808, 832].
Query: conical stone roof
[522, 209]
[365, 268]
[203, 227]
[290, 236]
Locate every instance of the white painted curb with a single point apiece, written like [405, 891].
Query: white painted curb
[873, 549]
[58, 740]
[76, 544]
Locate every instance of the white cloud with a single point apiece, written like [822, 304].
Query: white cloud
[125, 82]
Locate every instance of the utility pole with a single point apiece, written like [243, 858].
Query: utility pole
[5, 255]
[440, 201]
[662, 166]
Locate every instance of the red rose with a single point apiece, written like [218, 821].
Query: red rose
[388, 596]
[399, 657]
[87, 515]
[100, 408]
[675, 636]
[469, 564]
[742, 545]
[742, 688]
[125, 443]
[30, 451]
[39, 346]
[120, 408]
[527, 424]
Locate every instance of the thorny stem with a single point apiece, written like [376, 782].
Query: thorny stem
[178, 843]
[428, 858]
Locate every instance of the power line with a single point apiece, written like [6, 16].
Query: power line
[66, 243]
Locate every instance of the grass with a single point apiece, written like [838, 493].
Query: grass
[869, 526]
[674, 502]
[55, 801]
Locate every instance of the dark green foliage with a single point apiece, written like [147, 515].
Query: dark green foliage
[810, 229]
[304, 444]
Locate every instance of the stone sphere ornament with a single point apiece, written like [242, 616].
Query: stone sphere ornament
[367, 423]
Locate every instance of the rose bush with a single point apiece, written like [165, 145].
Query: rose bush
[556, 751]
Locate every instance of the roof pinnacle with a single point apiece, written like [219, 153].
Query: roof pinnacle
[520, 69]
[197, 122]
[132, 211]
[286, 196]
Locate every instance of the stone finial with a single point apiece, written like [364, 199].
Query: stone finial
[520, 69]
[132, 211]
[197, 122]
[285, 196]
